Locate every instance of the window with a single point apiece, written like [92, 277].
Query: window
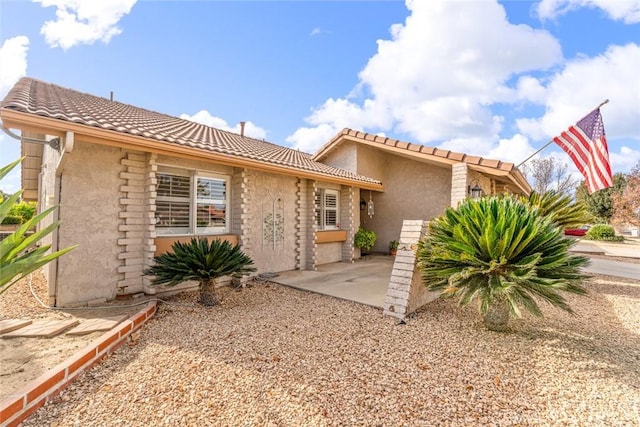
[181, 210]
[327, 209]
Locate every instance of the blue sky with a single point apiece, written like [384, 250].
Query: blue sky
[489, 78]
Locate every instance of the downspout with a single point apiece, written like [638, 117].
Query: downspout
[67, 148]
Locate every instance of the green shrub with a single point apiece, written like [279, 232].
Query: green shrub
[19, 213]
[12, 219]
[365, 239]
[603, 232]
[26, 210]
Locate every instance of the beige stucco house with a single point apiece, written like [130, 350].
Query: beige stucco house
[129, 182]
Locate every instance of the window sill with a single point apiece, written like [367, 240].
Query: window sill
[331, 236]
[164, 243]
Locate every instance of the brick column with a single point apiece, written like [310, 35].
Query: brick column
[347, 221]
[458, 183]
[134, 240]
[310, 240]
[406, 293]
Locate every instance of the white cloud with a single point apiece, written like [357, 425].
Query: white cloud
[627, 11]
[13, 66]
[515, 149]
[583, 84]
[530, 89]
[83, 21]
[205, 118]
[438, 74]
[13, 57]
[626, 159]
[309, 139]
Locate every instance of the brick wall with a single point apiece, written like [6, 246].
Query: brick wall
[406, 293]
[458, 183]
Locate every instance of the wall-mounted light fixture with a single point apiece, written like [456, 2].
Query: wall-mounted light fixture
[363, 205]
[474, 190]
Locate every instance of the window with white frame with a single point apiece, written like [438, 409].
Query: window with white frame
[191, 202]
[327, 209]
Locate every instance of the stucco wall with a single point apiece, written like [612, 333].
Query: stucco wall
[89, 207]
[344, 157]
[46, 199]
[413, 190]
[271, 196]
[329, 252]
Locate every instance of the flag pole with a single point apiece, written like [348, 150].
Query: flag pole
[606, 101]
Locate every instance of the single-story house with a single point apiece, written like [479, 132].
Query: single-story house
[129, 182]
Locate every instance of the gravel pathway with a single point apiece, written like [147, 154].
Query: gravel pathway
[275, 356]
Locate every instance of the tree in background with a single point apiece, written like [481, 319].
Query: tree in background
[626, 203]
[600, 203]
[550, 174]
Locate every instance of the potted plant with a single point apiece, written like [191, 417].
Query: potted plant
[393, 247]
[364, 239]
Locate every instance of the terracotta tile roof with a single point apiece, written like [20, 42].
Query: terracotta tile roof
[448, 156]
[51, 101]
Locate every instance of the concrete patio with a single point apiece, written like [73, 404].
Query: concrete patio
[364, 281]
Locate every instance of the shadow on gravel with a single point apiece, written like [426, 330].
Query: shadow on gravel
[600, 338]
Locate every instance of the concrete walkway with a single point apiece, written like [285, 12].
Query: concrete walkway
[364, 281]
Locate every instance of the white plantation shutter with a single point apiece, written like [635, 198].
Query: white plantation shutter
[173, 203]
[327, 213]
[189, 202]
[330, 209]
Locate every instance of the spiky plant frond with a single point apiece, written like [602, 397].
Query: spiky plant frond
[201, 260]
[500, 249]
[19, 251]
[559, 209]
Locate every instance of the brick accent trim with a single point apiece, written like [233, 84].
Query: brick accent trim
[24, 402]
[311, 247]
[137, 220]
[347, 221]
[406, 293]
[459, 183]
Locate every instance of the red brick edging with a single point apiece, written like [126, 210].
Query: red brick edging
[18, 406]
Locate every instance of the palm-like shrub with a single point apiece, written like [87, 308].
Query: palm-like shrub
[559, 209]
[503, 253]
[19, 253]
[203, 261]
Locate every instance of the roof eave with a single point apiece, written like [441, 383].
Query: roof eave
[51, 126]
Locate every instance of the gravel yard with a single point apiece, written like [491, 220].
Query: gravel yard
[275, 356]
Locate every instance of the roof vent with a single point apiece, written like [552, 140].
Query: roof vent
[242, 128]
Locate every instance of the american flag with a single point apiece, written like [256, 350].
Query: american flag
[586, 144]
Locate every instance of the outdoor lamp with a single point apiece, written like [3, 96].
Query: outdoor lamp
[475, 191]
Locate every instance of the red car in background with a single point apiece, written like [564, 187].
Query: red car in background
[580, 231]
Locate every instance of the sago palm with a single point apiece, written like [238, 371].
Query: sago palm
[503, 253]
[201, 260]
[559, 208]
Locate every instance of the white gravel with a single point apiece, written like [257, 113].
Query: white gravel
[275, 356]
